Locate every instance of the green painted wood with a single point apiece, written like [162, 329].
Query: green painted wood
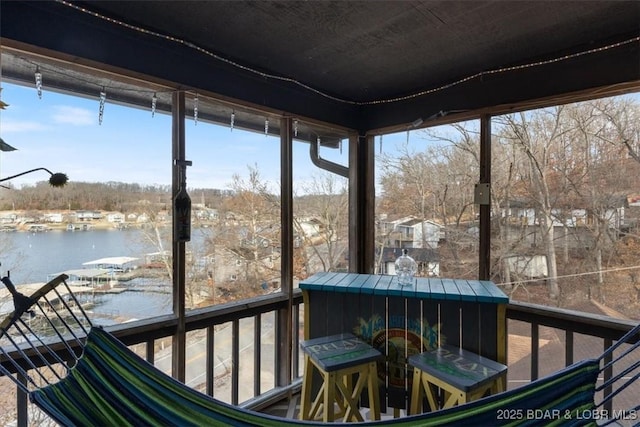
[316, 308]
[466, 291]
[437, 289]
[383, 285]
[496, 292]
[339, 351]
[451, 289]
[398, 343]
[489, 327]
[472, 334]
[386, 285]
[463, 369]
[450, 321]
[336, 312]
[330, 284]
[370, 284]
[395, 289]
[356, 284]
[344, 283]
[482, 294]
[316, 281]
[422, 289]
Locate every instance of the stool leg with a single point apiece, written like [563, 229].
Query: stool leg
[374, 398]
[431, 397]
[453, 398]
[305, 398]
[351, 396]
[329, 396]
[416, 393]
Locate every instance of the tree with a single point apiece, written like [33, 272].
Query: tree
[321, 222]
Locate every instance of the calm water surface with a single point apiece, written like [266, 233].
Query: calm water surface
[32, 257]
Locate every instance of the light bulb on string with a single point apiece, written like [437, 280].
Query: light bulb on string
[233, 119]
[38, 78]
[195, 110]
[340, 145]
[103, 99]
[295, 128]
[266, 127]
[154, 102]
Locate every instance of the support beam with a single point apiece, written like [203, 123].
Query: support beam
[179, 287]
[361, 204]
[284, 330]
[484, 261]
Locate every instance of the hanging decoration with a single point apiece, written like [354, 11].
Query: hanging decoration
[103, 98]
[154, 102]
[380, 144]
[295, 128]
[340, 146]
[38, 78]
[57, 179]
[479, 75]
[195, 110]
[233, 119]
[266, 127]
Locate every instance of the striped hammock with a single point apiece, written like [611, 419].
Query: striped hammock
[106, 384]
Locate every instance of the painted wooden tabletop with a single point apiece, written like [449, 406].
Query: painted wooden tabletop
[460, 368]
[481, 291]
[339, 351]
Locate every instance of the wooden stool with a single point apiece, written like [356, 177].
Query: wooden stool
[461, 375]
[338, 358]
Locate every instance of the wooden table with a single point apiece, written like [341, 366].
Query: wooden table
[404, 320]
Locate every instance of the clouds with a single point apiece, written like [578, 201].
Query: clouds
[76, 116]
[22, 126]
[59, 115]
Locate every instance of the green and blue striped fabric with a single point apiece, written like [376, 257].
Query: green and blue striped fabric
[112, 386]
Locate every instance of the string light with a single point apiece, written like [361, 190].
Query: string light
[295, 128]
[103, 99]
[233, 119]
[380, 144]
[266, 127]
[342, 100]
[154, 102]
[38, 77]
[195, 110]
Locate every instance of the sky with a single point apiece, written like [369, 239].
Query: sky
[62, 133]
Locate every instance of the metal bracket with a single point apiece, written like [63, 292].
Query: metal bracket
[482, 194]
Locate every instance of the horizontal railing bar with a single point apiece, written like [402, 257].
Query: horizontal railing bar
[570, 320]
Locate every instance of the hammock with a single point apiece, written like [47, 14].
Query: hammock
[81, 375]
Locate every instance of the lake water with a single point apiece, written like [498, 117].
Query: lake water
[32, 257]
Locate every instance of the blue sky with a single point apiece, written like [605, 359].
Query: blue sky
[63, 134]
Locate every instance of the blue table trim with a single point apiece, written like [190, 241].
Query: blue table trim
[482, 291]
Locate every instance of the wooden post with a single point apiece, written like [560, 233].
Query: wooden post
[178, 360]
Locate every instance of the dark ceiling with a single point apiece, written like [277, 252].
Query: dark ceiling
[358, 64]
